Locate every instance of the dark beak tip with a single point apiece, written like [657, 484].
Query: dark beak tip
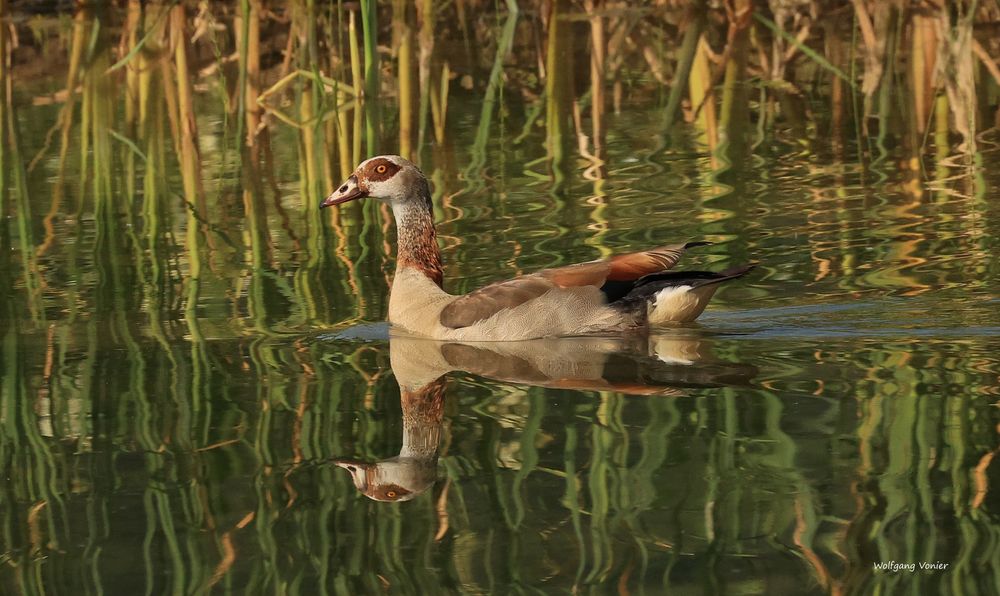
[348, 464]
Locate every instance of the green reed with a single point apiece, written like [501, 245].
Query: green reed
[13, 166]
[558, 82]
[478, 150]
[369, 25]
[689, 46]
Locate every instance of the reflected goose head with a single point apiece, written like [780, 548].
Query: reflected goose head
[389, 178]
[394, 479]
[414, 470]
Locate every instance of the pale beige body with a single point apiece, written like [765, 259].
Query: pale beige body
[579, 362]
[416, 302]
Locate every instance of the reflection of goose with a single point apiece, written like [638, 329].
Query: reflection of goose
[413, 471]
[627, 291]
[637, 365]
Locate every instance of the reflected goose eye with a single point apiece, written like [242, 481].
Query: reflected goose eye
[380, 169]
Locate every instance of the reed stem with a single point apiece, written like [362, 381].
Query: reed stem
[369, 28]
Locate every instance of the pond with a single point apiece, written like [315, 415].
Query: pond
[199, 393]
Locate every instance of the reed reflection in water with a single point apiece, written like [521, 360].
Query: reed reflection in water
[176, 397]
[747, 472]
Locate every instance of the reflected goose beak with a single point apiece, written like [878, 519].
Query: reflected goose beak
[348, 464]
[349, 191]
[358, 470]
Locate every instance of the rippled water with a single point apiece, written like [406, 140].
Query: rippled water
[835, 409]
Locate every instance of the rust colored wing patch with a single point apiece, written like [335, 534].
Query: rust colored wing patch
[634, 265]
[582, 274]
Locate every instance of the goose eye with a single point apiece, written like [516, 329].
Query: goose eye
[380, 169]
[391, 494]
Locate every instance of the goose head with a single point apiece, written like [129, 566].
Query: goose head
[388, 178]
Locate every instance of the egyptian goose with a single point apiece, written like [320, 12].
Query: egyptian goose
[627, 291]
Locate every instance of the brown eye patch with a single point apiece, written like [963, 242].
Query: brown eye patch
[381, 169]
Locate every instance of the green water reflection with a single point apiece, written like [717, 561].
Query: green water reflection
[189, 350]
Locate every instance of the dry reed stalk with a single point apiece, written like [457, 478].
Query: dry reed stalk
[133, 23]
[150, 128]
[146, 61]
[170, 99]
[956, 68]
[187, 124]
[78, 46]
[800, 15]
[702, 94]
[988, 63]
[873, 25]
[81, 28]
[923, 58]
[618, 29]
[188, 154]
[250, 64]
[130, 39]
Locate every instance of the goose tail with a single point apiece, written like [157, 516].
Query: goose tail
[676, 296]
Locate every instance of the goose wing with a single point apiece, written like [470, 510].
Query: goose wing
[615, 277]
